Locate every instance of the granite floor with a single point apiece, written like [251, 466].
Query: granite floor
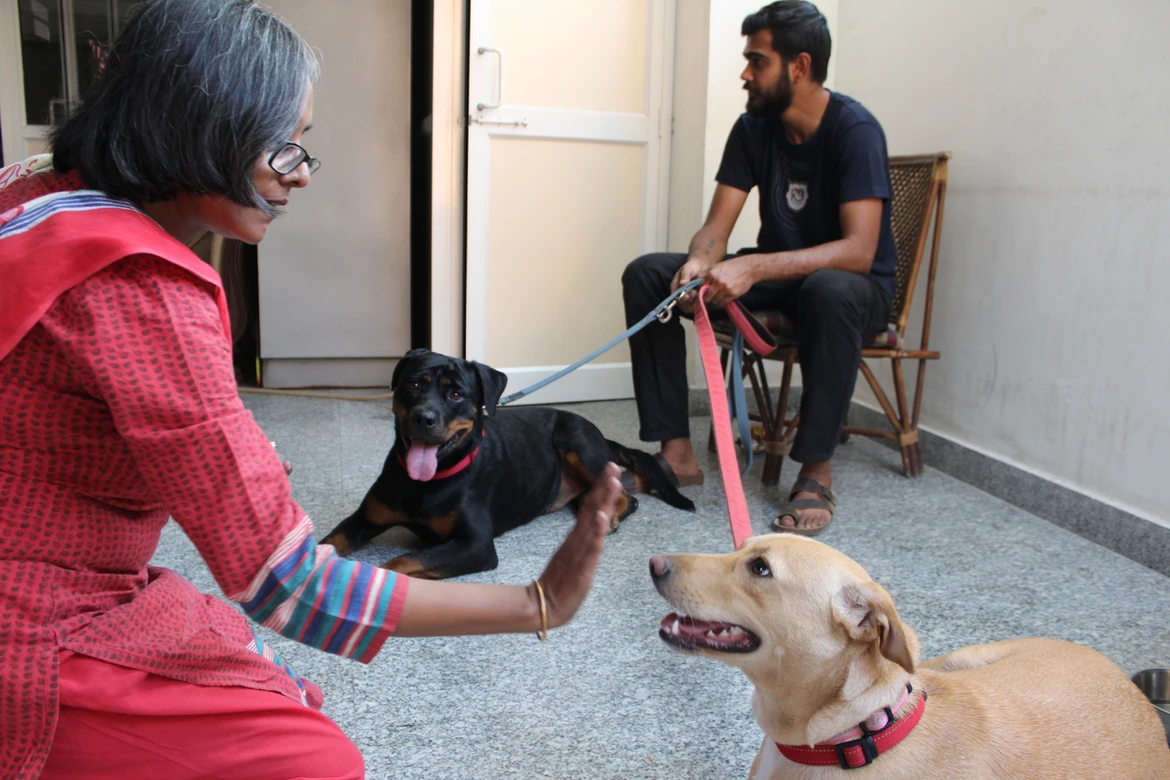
[603, 698]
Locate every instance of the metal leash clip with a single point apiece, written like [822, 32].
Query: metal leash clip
[665, 315]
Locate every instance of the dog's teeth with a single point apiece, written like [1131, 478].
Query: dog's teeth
[735, 631]
[711, 633]
[674, 628]
[724, 632]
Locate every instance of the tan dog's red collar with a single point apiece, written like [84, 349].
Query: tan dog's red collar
[856, 753]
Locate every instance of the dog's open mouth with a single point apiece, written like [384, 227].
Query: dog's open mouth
[686, 633]
[422, 457]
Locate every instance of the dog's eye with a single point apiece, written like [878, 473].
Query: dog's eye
[413, 385]
[759, 567]
[455, 395]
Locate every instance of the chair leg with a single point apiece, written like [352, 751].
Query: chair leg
[775, 446]
[754, 368]
[908, 433]
[917, 406]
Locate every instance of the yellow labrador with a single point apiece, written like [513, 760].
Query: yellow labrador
[827, 653]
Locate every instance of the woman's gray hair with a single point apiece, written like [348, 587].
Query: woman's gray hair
[190, 95]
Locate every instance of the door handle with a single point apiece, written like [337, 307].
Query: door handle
[513, 122]
[499, 78]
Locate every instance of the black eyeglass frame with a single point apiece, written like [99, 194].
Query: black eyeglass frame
[314, 163]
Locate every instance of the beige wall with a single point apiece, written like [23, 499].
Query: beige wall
[1051, 310]
[335, 272]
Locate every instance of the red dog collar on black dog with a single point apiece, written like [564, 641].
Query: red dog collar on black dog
[467, 460]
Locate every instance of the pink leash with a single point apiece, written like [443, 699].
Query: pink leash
[737, 509]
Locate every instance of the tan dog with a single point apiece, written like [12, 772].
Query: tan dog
[826, 651]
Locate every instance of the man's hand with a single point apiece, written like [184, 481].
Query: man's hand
[731, 279]
[709, 246]
[691, 270]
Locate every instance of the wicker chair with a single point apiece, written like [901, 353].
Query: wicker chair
[919, 190]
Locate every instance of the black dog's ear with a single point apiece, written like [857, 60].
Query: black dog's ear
[491, 385]
[414, 353]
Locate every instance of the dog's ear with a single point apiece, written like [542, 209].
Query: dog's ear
[491, 385]
[414, 353]
[867, 612]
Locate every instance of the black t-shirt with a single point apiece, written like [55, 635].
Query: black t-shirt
[802, 186]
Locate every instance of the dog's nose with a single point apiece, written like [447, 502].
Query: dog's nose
[659, 568]
[425, 417]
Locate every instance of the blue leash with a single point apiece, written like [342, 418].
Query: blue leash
[737, 400]
[662, 312]
[736, 396]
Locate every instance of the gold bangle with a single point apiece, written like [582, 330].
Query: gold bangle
[543, 633]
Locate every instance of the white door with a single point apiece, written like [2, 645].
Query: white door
[568, 151]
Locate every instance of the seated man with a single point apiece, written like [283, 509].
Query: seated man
[825, 256]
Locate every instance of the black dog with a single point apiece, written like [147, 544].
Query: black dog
[458, 476]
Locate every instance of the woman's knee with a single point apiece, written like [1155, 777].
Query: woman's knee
[326, 752]
[345, 761]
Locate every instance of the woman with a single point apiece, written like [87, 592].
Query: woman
[119, 409]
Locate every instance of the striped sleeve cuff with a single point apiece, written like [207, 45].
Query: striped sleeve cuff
[306, 592]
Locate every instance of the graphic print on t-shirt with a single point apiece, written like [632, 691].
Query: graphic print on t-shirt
[797, 195]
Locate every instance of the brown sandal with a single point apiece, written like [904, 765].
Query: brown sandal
[827, 500]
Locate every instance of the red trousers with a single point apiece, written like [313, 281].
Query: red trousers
[117, 723]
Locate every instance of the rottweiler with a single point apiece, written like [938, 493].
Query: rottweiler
[460, 473]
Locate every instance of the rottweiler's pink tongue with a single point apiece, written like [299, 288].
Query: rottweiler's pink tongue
[422, 460]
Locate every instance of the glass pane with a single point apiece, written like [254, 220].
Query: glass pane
[54, 77]
[122, 13]
[91, 31]
[43, 60]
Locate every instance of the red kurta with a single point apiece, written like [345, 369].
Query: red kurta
[118, 408]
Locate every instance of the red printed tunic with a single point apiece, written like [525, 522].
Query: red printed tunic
[118, 408]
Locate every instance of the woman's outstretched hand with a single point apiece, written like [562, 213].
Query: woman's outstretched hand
[569, 574]
[436, 608]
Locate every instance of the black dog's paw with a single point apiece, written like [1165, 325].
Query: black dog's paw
[655, 479]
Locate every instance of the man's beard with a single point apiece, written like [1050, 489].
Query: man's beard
[774, 103]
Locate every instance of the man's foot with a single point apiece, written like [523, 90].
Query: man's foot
[680, 456]
[681, 465]
[811, 504]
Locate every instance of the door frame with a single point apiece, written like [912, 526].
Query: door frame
[12, 121]
[653, 127]
[448, 174]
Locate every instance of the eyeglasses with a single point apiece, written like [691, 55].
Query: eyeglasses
[286, 159]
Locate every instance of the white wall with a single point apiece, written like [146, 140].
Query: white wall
[335, 272]
[1051, 309]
